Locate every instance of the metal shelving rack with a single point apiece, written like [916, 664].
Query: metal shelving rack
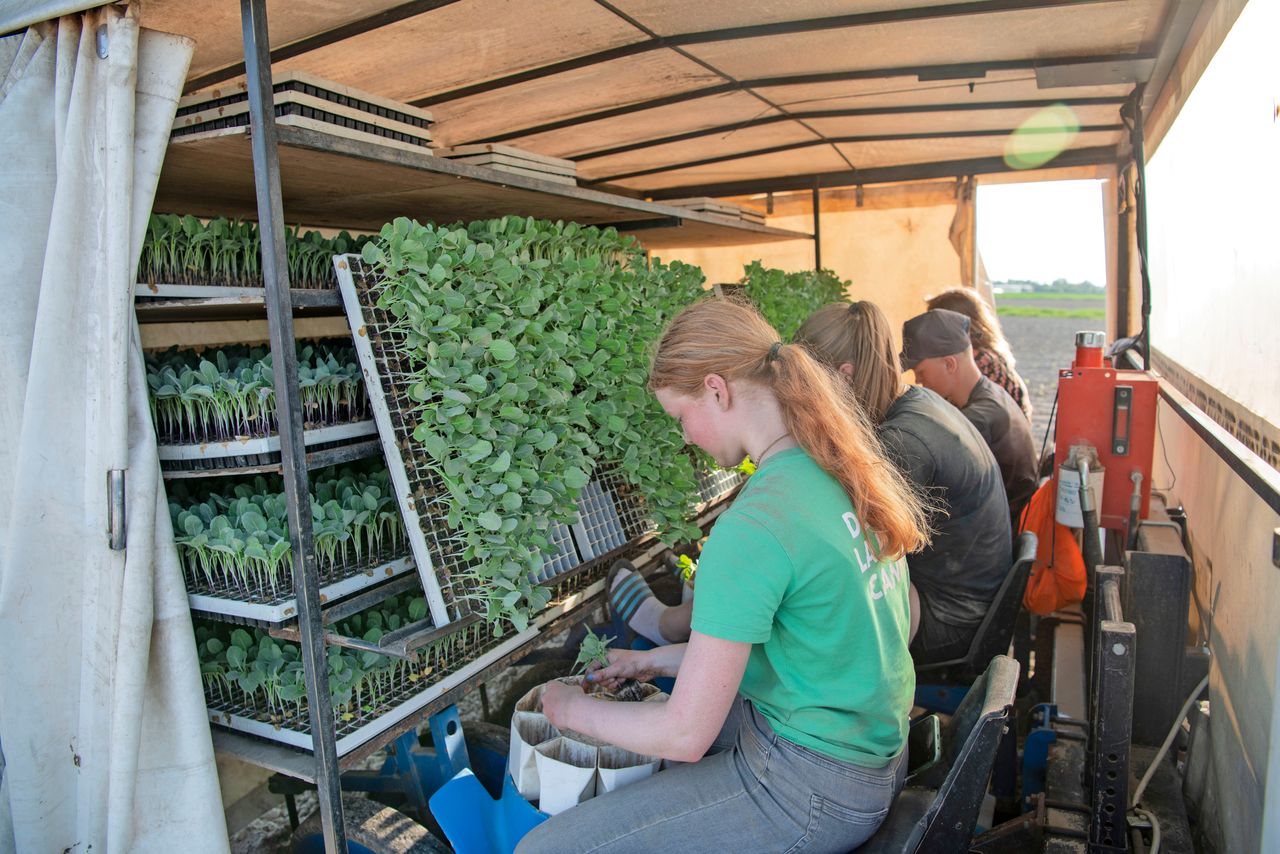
[574, 583]
[293, 461]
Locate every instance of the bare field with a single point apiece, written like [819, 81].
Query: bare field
[1042, 346]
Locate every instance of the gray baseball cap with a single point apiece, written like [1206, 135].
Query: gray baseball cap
[935, 333]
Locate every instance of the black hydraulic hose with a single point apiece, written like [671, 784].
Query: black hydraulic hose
[1091, 548]
[1137, 140]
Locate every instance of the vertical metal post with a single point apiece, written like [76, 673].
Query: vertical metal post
[1140, 202]
[1111, 725]
[817, 227]
[275, 271]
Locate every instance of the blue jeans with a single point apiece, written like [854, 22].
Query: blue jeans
[754, 791]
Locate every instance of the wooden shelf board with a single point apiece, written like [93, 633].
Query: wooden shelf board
[331, 181]
[306, 303]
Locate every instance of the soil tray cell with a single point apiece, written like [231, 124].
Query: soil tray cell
[432, 672]
[272, 608]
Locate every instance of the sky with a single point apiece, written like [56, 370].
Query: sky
[1042, 231]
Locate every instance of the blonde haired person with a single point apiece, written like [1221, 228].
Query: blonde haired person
[955, 578]
[991, 351]
[792, 695]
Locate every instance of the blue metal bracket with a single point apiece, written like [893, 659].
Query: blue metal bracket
[1035, 752]
[417, 773]
[944, 699]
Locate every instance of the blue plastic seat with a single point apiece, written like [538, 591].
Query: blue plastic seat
[477, 824]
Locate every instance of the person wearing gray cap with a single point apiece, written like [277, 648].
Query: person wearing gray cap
[936, 348]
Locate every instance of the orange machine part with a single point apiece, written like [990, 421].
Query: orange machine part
[1121, 428]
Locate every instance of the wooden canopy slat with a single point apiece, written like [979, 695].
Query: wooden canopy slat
[685, 82]
[868, 155]
[1107, 28]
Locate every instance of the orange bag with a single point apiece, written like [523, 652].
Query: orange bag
[1058, 577]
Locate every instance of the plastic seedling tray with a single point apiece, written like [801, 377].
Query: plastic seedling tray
[608, 518]
[280, 609]
[436, 550]
[247, 446]
[176, 291]
[716, 484]
[598, 530]
[562, 557]
[396, 704]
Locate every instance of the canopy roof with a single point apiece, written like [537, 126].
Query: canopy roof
[664, 99]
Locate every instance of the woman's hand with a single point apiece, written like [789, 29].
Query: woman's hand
[557, 700]
[641, 665]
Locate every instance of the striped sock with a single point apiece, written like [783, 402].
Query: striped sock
[634, 603]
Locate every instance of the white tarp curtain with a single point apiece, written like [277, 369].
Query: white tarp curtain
[1212, 188]
[102, 721]
[16, 14]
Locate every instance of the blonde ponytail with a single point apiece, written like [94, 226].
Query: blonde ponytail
[731, 339]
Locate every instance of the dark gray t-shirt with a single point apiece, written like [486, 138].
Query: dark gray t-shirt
[940, 451]
[1007, 432]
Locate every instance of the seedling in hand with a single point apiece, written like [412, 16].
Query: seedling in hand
[594, 649]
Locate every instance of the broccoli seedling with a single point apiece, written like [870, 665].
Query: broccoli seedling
[747, 467]
[593, 649]
[688, 566]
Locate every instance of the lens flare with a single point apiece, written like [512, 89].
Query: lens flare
[1046, 134]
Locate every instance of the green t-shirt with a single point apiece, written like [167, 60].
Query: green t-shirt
[789, 570]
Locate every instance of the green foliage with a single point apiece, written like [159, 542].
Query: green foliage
[247, 667]
[594, 648]
[239, 537]
[787, 299]
[228, 393]
[182, 250]
[530, 345]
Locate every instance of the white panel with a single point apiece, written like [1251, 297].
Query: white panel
[1237, 592]
[1214, 185]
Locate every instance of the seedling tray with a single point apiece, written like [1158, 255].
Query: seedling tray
[306, 101]
[217, 452]
[610, 515]
[718, 483]
[396, 704]
[162, 291]
[260, 607]
[562, 557]
[419, 490]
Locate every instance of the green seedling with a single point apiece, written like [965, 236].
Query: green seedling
[528, 344]
[594, 649]
[787, 299]
[238, 537]
[246, 667]
[229, 393]
[688, 567]
[182, 250]
[747, 466]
